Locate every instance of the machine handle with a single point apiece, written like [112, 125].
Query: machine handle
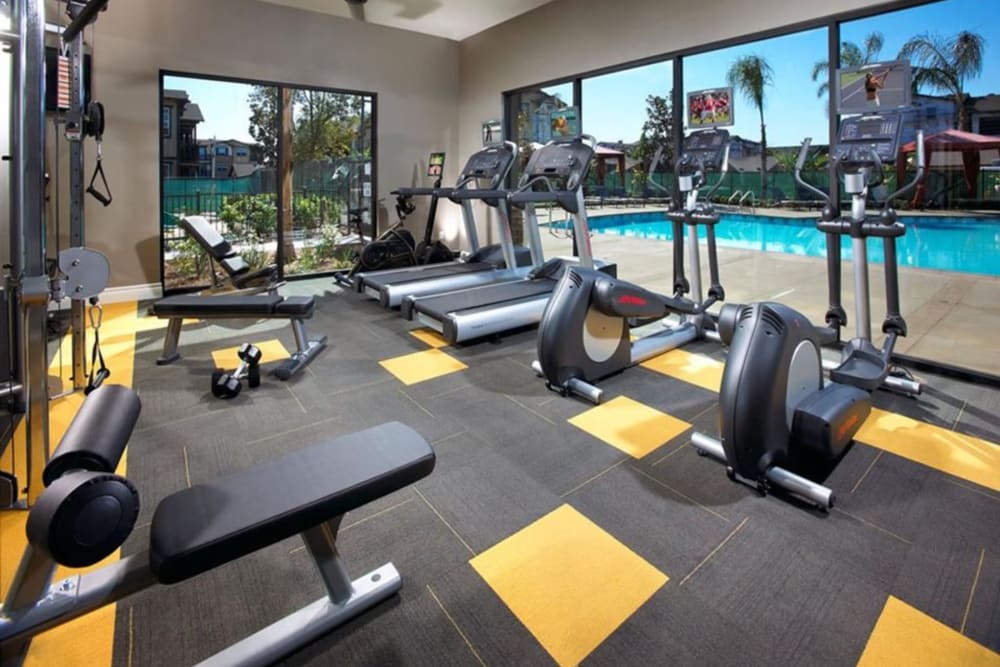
[476, 193]
[879, 171]
[916, 179]
[723, 169]
[800, 163]
[512, 146]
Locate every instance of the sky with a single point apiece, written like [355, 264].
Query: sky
[614, 105]
[223, 104]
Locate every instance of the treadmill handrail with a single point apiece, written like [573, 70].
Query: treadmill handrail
[421, 192]
[477, 193]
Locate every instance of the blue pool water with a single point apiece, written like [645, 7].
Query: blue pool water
[963, 244]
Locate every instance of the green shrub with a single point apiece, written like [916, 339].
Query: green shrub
[253, 218]
[190, 259]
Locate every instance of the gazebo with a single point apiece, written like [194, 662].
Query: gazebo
[603, 155]
[967, 143]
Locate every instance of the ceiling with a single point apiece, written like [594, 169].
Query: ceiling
[452, 19]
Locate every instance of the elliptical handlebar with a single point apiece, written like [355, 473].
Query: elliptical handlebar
[800, 163]
[921, 167]
[723, 170]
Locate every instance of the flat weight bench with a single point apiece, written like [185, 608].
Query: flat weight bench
[221, 252]
[86, 512]
[258, 306]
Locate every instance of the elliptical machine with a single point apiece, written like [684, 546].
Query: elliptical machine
[396, 247]
[777, 416]
[584, 332]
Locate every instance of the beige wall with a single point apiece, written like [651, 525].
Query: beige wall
[433, 93]
[567, 37]
[415, 77]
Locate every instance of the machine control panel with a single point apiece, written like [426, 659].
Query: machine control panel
[562, 159]
[705, 148]
[860, 136]
[489, 163]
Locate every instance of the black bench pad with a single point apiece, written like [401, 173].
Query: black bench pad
[296, 306]
[209, 524]
[206, 236]
[254, 305]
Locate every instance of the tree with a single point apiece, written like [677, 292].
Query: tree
[851, 55]
[263, 101]
[656, 134]
[944, 64]
[325, 125]
[751, 75]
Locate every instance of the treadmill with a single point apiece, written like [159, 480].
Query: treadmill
[485, 265]
[554, 175]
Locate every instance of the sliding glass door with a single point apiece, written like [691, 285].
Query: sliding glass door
[285, 175]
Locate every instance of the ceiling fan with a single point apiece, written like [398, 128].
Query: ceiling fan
[357, 8]
[409, 9]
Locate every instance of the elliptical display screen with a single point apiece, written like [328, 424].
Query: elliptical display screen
[706, 147]
[860, 134]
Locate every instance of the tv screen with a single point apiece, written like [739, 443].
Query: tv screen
[712, 107]
[873, 87]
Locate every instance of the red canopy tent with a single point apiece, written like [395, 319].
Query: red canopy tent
[966, 143]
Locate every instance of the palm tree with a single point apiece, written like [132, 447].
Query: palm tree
[750, 75]
[851, 55]
[945, 63]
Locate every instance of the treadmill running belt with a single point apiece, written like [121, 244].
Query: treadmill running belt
[484, 297]
[425, 272]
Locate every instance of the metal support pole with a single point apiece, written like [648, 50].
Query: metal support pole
[28, 230]
[77, 237]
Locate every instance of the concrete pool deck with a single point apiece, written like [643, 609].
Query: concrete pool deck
[952, 318]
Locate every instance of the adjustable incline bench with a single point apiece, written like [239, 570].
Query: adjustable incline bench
[255, 306]
[221, 252]
[86, 512]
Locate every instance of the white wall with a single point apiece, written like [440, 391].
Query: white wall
[415, 77]
[567, 37]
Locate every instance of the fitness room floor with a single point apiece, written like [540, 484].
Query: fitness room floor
[553, 530]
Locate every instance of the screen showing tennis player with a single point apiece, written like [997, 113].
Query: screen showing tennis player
[710, 108]
[873, 87]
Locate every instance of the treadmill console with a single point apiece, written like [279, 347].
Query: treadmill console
[560, 159]
[704, 149]
[861, 135]
[490, 163]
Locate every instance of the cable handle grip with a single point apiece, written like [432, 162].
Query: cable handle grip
[921, 167]
[723, 168]
[800, 163]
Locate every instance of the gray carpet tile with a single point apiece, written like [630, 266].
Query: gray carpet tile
[806, 606]
[497, 635]
[753, 580]
[488, 497]
[676, 627]
[627, 503]
[982, 623]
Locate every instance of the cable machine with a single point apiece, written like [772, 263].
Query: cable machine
[30, 284]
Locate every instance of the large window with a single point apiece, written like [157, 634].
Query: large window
[774, 107]
[631, 115]
[950, 302]
[769, 247]
[264, 165]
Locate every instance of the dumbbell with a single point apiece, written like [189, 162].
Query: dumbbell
[229, 385]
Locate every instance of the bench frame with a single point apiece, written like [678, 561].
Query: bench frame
[35, 606]
[306, 348]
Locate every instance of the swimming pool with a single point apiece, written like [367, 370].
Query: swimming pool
[962, 244]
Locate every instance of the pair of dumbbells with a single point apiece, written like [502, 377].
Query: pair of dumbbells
[229, 385]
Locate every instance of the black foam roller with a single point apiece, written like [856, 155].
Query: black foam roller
[83, 517]
[98, 434]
